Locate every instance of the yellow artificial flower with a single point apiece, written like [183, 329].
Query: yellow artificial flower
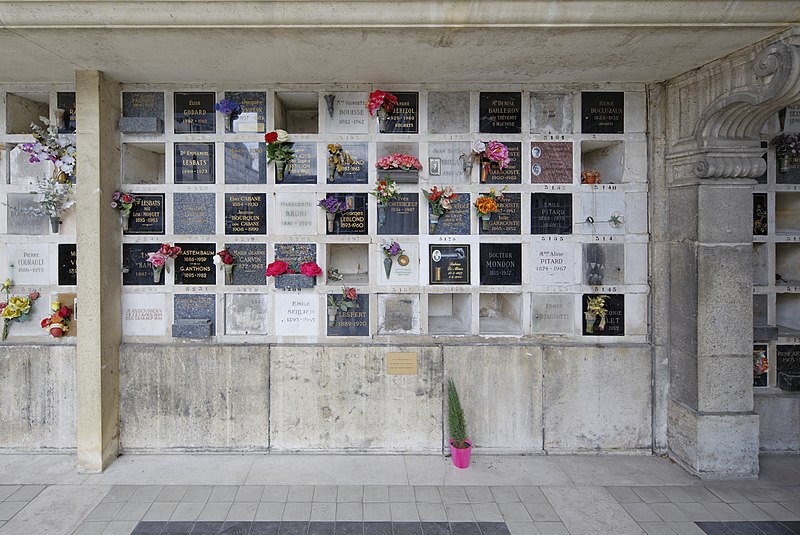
[10, 313]
[6, 284]
[23, 304]
[56, 306]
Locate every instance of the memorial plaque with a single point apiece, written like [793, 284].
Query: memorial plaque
[402, 216]
[552, 263]
[759, 214]
[551, 162]
[296, 254]
[351, 173]
[404, 117]
[303, 168]
[66, 102]
[194, 113]
[600, 210]
[760, 359]
[551, 113]
[245, 163]
[246, 314]
[196, 307]
[245, 213]
[21, 218]
[354, 220]
[554, 314]
[405, 266]
[67, 264]
[296, 214]
[195, 264]
[22, 171]
[507, 219]
[353, 321]
[143, 104]
[512, 174]
[501, 264]
[456, 220]
[296, 314]
[602, 112]
[611, 323]
[136, 271]
[350, 115]
[603, 264]
[398, 314]
[447, 156]
[401, 363]
[147, 215]
[788, 367]
[194, 213]
[194, 163]
[501, 113]
[143, 314]
[448, 113]
[29, 263]
[251, 263]
[787, 170]
[449, 264]
[253, 116]
[551, 213]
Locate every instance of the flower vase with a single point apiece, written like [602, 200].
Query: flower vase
[461, 456]
[590, 318]
[784, 163]
[228, 269]
[486, 167]
[332, 311]
[331, 218]
[485, 218]
[280, 168]
[56, 330]
[124, 218]
[466, 165]
[229, 123]
[157, 274]
[387, 265]
[433, 219]
[382, 116]
[55, 221]
[381, 214]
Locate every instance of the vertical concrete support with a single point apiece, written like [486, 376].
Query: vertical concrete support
[99, 237]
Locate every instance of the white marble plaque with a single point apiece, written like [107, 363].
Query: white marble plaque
[246, 314]
[143, 315]
[553, 314]
[552, 263]
[443, 158]
[606, 210]
[30, 263]
[296, 214]
[21, 171]
[405, 267]
[551, 113]
[350, 115]
[21, 220]
[296, 314]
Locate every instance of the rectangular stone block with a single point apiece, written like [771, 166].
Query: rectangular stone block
[725, 384]
[779, 422]
[141, 125]
[191, 329]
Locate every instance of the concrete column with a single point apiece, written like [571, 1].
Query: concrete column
[99, 283]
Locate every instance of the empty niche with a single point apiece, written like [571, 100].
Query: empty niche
[787, 263]
[760, 308]
[760, 264]
[606, 157]
[398, 314]
[448, 113]
[449, 313]
[297, 112]
[352, 262]
[787, 310]
[143, 163]
[22, 109]
[787, 213]
[500, 314]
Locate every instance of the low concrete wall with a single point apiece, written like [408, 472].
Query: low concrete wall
[779, 420]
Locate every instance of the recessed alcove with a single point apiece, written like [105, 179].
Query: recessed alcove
[607, 157]
[297, 112]
[760, 264]
[787, 263]
[352, 261]
[143, 163]
[760, 309]
[449, 314]
[500, 313]
[787, 213]
[787, 311]
[22, 109]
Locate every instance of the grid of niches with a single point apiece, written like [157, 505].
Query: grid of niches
[426, 309]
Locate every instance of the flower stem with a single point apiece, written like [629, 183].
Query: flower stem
[5, 328]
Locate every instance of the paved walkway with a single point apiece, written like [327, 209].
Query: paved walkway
[390, 495]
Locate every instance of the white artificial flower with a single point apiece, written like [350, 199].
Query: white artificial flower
[283, 135]
[478, 146]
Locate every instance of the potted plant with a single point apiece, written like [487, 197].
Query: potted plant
[391, 249]
[16, 307]
[787, 149]
[230, 109]
[57, 323]
[590, 176]
[225, 261]
[288, 276]
[383, 103]
[158, 260]
[385, 191]
[332, 206]
[124, 203]
[348, 300]
[338, 159]
[460, 446]
[595, 308]
[440, 201]
[279, 150]
[400, 167]
[486, 205]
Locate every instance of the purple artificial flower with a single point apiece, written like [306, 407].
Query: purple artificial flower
[115, 197]
[332, 205]
[395, 248]
[228, 107]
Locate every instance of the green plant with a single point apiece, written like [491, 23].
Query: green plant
[455, 417]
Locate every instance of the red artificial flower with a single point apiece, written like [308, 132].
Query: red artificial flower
[165, 249]
[33, 296]
[310, 269]
[290, 271]
[351, 294]
[45, 323]
[271, 137]
[276, 268]
[2, 306]
[126, 198]
[64, 312]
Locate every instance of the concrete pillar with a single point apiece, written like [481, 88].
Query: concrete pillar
[99, 264]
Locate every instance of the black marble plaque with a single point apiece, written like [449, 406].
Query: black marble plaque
[196, 307]
[602, 112]
[404, 117]
[194, 113]
[501, 113]
[67, 264]
[147, 215]
[195, 264]
[788, 366]
[759, 355]
[354, 220]
[245, 163]
[136, 271]
[253, 116]
[449, 264]
[251, 263]
[551, 162]
[614, 320]
[551, 213]
[303, 167]
[143, 104]
[501, 264]
[245, 213]
[456, 220]
[194, 163]
[66, 102]
[512, 174]
[296, 254]
[508, 217]
[352, 322]
[402, 216]
[759, 214]
[351, 173]
[787, 170]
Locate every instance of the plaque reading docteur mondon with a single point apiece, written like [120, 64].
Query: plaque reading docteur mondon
[194, 113]
[194, 163]
[147, 216]
[501, 113]
[449, 264]
[501, 263]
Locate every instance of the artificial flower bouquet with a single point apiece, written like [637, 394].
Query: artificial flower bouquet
[15, 307]
[158, 260]
[225, 261]
[57, 323]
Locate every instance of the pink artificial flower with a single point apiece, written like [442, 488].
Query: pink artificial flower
[497, 152]
[351, 294]
[33, 296]
[276, 268]
[310, 269]
[157, 259]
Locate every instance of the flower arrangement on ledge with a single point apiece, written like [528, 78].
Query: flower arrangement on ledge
[595, 308]
[402, 167]
[491, 153]
[158, 260]
[16, 307]
[486, 205]
[390, 250]
[787, 147]
[590, 176]
[385, 190]
[338, 158]
[332, 206]
[348, 300]
[230, 109]
[57, 323]
[123, 202]
[291, 276]
[440, 201]
[279, 150]
[225, 261]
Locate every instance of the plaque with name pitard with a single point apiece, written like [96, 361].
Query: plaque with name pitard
[551, 213]
[456, 220]
[245, 163]
[245, 213]
[501, 264]
[136, 271]
[512, 174]
[507, 219]
[303, 167]
[349, 167]
[143, 104]
[602, 112]
[501, 113]
[195, 264]
[66, 102]
[403, 118]
[194, 163]
[253, 116]
[354, 220]
[788, 367]
[551, 162]
[605, 319]
[147, 215]
[449, 264]
[402, 216]
[353, 321]
[67, 264]
[251, 263]
[194, 113]
[759, 214]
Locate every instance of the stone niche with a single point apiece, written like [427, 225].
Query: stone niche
[352, 261]
[500, 314]
[607, 157]
[22, 109]
[143, 163]
[449, 314]
[297, 112]
[398, 314]
[787, 212]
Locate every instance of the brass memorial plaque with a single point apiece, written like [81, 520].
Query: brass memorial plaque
[401, 364]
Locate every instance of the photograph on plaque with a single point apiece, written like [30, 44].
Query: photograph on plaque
[449, 264]
[245, 213]
[760, 365]
[253, 116]
[195, 307]
[303, 167]
[501, 113]
[66, 103]
[551, 162]
[67, 264]
[454, 161]
[501, 264]
[456, 220]
[245, 163]
[401, 215]
[250, 263]
[511, 174]
[347, 163]
[551, 213]
[136, 270]
[194, 113]
[602, 112]
[507, 219]
[194, 163]
[354, 219]
[759, 214]
[246, 314]
[195, 264]
[148, 104]
[788, 367]
[603, 264]
[603, 314]
[403, 119]
[147, 215]
[194, 213]
[351, 322]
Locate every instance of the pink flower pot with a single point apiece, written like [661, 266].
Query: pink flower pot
[56, 330]
[461, 456]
